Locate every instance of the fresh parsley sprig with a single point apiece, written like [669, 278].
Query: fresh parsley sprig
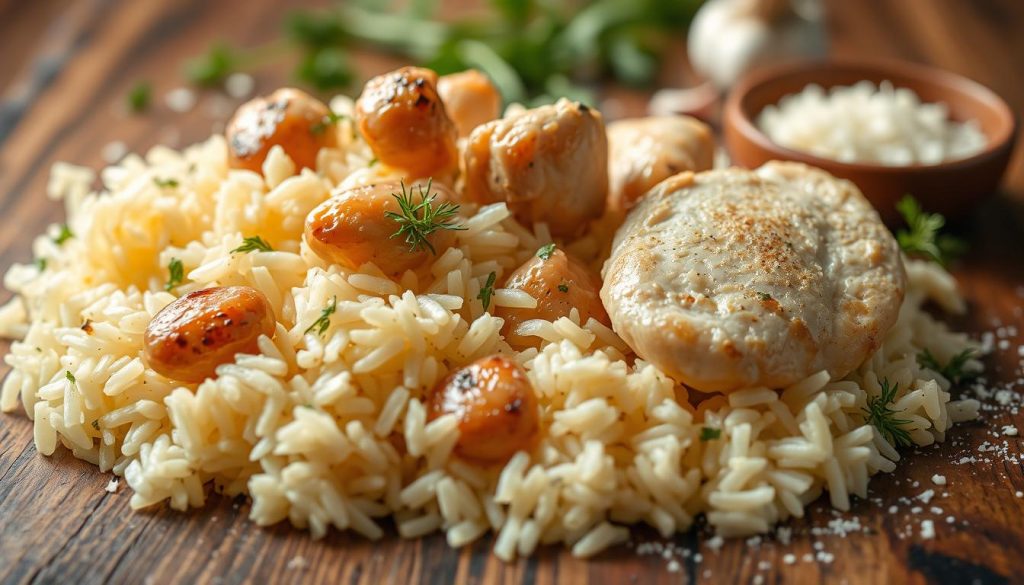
[139, 97]
[881, 416]
[253, 244]
[165, 183]
[954, 368]
[175, 274]
[324, 320]
[416, 221]
[922, 237]
[487, 290]
[710, 434]
[63, 235]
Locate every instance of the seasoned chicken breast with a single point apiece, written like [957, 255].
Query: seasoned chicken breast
[470, 99]
[643, 152]
[732, 278]
[549, 164]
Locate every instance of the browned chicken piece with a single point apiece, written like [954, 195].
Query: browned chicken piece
[643, 152]
[291, 118]
[495, 405]
[190, 337]
[559, 282]
[405, 123]
[550, 164]
[356, 226]
[470, 99]
[732, 279]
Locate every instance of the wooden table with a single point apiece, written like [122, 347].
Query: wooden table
[65, 70]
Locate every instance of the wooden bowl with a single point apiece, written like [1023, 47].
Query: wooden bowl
[951, 188]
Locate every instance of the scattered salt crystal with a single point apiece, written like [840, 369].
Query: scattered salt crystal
[112, 485]
[789, 558]
[673, 566]
[1010, 430]
[239, 85]
[697, 558]
[180, 99]
[758, 580]
[715, 542]
[784, 534]
[1019, 494]
[893, 509]
[936, 510]
[950, 519]
[926, 496]
[297, 564]
[939, 479]
[927, 529]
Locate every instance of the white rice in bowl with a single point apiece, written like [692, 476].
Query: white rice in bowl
[332, 431]
[869, 123]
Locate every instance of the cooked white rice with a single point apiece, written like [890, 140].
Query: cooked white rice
[307, 428]
[869, 123]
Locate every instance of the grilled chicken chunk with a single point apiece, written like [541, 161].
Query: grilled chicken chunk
[470, 99]
[549, 164]
[643, 152]
[730, 279]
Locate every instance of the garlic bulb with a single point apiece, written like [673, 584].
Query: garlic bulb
[729, 37]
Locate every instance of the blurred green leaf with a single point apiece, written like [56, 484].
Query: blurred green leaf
[213, 66]
[139, 97]
[515, 11]
[630, 62]
[315, 29]
[326, 68]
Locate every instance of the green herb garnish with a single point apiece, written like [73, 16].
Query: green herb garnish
[41, 264]
[64, 235]
[212, 67]
[165, 183]
[139, 97]
[96, 424]
[324, 320]
[176, 274]
[881, 416]
[954, 368]
[710, 434]
[70, 376]
[545, 252]
[326, 122]
[418, 220]
[253, 244]
[326, 68]
[563, 287]
[487, 290]
[922, 237]
[764, 296]
[373, 161]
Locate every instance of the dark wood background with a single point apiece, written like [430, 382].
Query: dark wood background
[65, 68]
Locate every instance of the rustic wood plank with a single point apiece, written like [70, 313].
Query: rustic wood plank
[59, 522]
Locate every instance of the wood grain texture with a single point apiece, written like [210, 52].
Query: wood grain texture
[63, 93]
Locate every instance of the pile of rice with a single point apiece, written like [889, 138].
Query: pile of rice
[869, 123]
[332, 431]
